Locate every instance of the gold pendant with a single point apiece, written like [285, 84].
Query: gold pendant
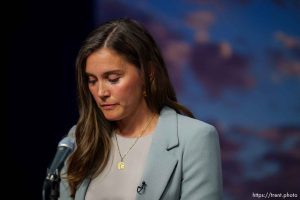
[121, 165]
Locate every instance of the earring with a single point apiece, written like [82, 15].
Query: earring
[144, 93]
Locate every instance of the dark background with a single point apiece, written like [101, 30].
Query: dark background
[42, 43]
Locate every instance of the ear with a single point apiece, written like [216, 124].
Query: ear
[151, 71]
[151, 76]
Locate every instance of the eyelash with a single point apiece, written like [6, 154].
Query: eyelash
[92, 82]
[113, 81]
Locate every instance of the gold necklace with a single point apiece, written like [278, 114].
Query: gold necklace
[121, 164]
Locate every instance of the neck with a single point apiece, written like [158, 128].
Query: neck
[134, 125]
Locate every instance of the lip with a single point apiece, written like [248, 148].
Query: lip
[108, 106]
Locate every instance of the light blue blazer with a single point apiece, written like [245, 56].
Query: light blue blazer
[183, 162]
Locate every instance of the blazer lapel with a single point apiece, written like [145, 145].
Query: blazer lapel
[81, 191]
[160, 162]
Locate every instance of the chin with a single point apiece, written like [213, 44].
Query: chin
[111, 116]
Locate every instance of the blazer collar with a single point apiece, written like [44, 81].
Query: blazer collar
[166, 134]
[160, 162]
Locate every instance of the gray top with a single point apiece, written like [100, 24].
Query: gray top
[115, 184]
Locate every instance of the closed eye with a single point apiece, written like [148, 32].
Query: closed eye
[113, 77]
[92, 82]
[114, 80]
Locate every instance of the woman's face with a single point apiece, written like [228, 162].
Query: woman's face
[115, 84]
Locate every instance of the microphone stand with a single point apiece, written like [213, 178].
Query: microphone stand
[51, 186]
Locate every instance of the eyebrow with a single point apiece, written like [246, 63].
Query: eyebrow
[106, 74]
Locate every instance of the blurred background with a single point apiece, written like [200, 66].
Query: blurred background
[235, 63]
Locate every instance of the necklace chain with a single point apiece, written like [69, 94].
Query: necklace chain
[122, 157]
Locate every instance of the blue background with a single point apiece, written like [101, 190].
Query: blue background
[235, 64]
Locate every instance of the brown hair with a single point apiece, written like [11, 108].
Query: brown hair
[131, 40]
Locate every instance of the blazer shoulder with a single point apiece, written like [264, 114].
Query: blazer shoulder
[192, 131]
[192, 125]
[197, 136]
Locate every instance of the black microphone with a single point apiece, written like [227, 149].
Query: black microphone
[141, 188]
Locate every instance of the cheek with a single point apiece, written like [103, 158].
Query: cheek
[129, 91]
[93, 91]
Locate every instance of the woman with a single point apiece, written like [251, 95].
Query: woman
[133, 139]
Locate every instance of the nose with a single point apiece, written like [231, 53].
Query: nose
[103, 91]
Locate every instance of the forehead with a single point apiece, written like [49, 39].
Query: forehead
[104, 60]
